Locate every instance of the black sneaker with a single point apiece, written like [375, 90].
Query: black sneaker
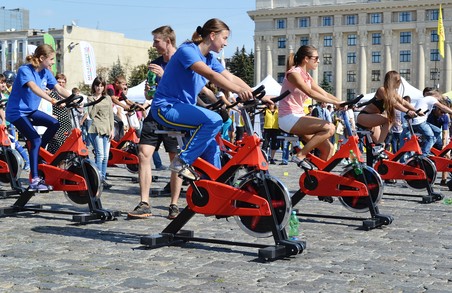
[106, 185]
[142, 210]
[173, 211]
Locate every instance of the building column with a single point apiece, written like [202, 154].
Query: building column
[362, 74]
[387, 34]
[338, 65]
[448, 60]
[4, 48]
[257, 62]
[421, 67]
[269, 63]
[14, 55]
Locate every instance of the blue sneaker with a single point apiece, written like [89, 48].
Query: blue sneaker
[38, 184]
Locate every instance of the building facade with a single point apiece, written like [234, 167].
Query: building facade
[358, 41]
[109, 48]
[17, 19]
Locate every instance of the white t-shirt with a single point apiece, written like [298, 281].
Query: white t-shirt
[425, 103]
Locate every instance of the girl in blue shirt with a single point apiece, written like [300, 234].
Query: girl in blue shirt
[22, 111]
[174, 104]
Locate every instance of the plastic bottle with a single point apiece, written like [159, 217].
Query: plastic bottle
[355, 163]
[151, 82]
[294, 226]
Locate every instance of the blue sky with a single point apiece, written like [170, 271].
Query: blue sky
[137, 18]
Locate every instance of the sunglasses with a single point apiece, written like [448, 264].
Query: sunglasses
[315, 58]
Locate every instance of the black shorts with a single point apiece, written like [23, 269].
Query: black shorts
[149, 137]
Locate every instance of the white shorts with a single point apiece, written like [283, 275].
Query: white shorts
[287, 122]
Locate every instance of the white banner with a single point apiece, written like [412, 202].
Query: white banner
[88, 62]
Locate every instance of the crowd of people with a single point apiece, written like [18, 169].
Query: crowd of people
[190, 77]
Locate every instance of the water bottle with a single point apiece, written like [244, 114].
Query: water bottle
[294, 225]
[151, 82]
[355, 163]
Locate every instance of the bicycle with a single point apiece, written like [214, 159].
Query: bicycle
[259, 202]
[358, 186]
[68, 170]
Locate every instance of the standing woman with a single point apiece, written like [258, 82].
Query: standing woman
[315, 132]
[101, 131]
[185, 75]
[379, 112]
[22, 111]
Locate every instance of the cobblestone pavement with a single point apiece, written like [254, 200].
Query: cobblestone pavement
[42, 251]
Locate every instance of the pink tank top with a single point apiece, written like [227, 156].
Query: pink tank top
[293, 103]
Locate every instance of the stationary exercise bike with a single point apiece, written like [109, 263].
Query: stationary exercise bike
[259, 201]
[418, 171]
[68, 170]
[10, 164]
[358, 186]
[125, 151]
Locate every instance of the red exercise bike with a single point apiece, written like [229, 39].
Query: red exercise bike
[418, 171]
[259, 201]
[358, 186]
[68, 170]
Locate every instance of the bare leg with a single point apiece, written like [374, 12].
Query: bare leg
[316, 133]
[144, 169]
[175, 183]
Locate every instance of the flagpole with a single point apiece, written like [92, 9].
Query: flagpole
[440, 44]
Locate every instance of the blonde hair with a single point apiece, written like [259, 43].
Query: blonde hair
[391, 96]
[213, 25]
[42, 50]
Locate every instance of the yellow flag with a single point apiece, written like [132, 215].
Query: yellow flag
[441, 35]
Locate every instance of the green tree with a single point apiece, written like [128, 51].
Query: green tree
[137, 75]
[116, 70]
[327, 86]
[242, 65]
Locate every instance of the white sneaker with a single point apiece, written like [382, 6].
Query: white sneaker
[182, 169]
[378, 151]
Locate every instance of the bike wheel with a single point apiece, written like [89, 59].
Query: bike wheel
[374, 185]
[132, 148]
[93, 181]
[15, 164]
[430, 172]
[262, 226]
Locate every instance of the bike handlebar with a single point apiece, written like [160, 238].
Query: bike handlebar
[352, 102]
[71, 102]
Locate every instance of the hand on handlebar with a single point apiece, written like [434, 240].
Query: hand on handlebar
[245, 95]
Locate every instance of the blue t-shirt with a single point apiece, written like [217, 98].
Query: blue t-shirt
[180, 84]
[22, 101]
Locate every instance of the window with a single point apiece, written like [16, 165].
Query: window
[281, 60]
[328, 41]
[434, 74]
[281, 42]
[280, 77]
[327, 20]
[376, 39]
[351, 58]
[405, 38]
[351, 40]
[376, 18]
[405, 73]
[432, 14]
[351, 19]
[328, 76]
[434, 36]
[376, 57]
[405, 56]
[375, 75]
[327, 59]
[304, 41]
[405, 16]
[351, 94]
[304, 22]
[434, 55]
[351, 76]
[280, 23]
